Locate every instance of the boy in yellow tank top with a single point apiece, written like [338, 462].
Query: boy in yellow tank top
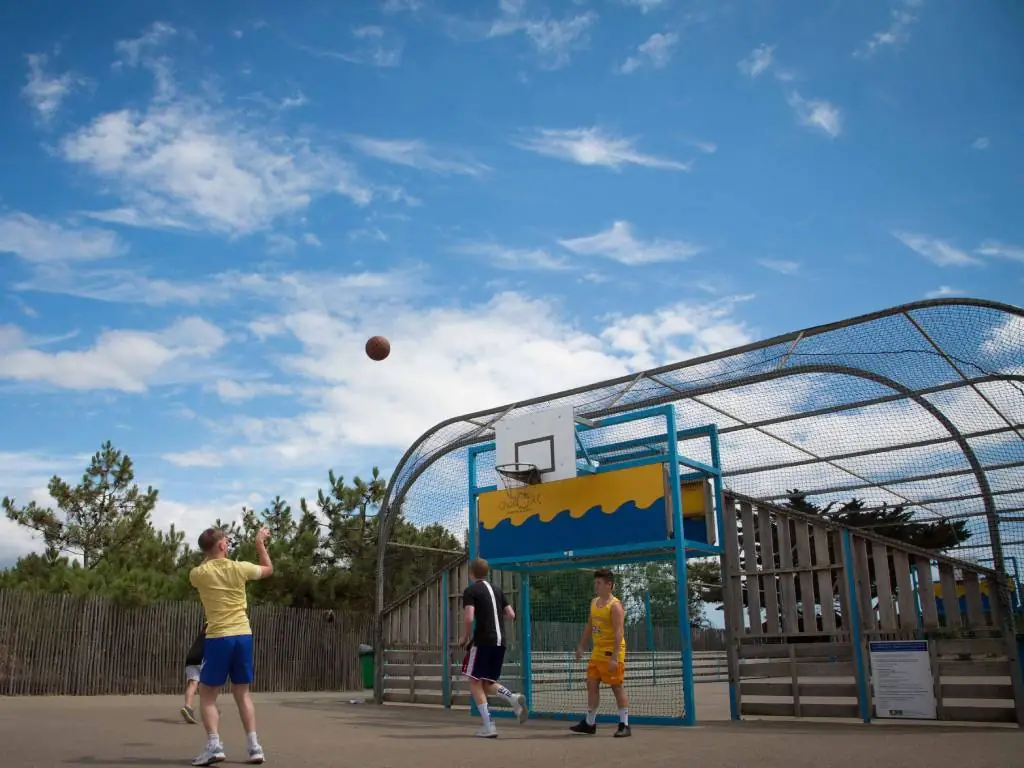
[606, 630]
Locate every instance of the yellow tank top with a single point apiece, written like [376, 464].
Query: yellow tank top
[603, 631]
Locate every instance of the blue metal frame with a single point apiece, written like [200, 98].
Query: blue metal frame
[526, 655]
[856, 638]
[677, 548]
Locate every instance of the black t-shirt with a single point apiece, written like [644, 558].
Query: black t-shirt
[194, 657]
[489, 603]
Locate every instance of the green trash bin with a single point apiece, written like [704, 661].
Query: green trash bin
[366, 663]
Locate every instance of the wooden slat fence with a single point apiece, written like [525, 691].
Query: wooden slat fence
[804, 597]
[72, 646]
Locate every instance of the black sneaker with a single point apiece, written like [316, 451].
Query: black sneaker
[583, 727]
[623, 731]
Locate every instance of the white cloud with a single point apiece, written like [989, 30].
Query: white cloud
[592, 146]
[138, 50]
[656, 51]
[189, 162]
[501, 257]
[896, 33]
[126, 361]
[510, 348]
[133, 286]
[707, 147]
[376, 47]
[781, 266]
[619, 244]
[757, 61]
[375, 234]
[310, 239]
[398, 6]
[46, 93]
[817, 114]
[646, 6]
[233, 391]
[943, 291]
[982, 142]
[184, 164]
[554, 40]
[938, 251]
[1001, 250]
[47, 242]
[415, 153]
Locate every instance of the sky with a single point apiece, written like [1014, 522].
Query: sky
[205, 210]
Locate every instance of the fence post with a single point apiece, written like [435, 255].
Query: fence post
[446, 644]
[650, 635]
[856, 635]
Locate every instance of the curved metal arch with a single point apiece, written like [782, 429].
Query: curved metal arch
[991, 515]
[393, 500]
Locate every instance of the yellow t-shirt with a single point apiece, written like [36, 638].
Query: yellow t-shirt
[602, 630]
[221, 585]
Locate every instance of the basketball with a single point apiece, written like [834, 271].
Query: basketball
[377, 348]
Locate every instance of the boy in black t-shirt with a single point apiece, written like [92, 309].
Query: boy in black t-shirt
[485, 646]
[193, 665]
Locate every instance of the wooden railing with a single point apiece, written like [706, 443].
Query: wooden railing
[804, 597]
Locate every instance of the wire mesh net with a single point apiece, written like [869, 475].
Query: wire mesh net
[918, 408]
[559, 611]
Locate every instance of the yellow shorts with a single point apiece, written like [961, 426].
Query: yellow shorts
[598, 669]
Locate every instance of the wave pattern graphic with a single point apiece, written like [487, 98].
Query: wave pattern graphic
[608, 492]
[565, 531]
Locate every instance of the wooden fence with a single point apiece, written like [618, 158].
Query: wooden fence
[67, 645]
[804, 598]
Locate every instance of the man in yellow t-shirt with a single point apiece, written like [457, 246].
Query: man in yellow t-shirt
[606, 629]
[228, 649]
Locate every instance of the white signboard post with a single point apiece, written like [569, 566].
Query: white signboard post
[901, 679]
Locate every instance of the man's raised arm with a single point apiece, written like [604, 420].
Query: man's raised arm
[266, 567]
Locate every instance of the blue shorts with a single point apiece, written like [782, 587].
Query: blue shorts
[225, 657]
[484, 662]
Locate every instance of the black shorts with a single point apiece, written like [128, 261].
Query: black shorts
[483, 662]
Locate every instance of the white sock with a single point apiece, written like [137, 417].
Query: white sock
[624, 716]
[212, 740]
[253, 741]
[505, 693]
[485, 714]
[591, 717]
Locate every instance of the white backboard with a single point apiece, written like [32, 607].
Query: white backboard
[545, 438]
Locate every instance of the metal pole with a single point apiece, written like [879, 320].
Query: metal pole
[682, 603]
[856, 638]
[734, 678]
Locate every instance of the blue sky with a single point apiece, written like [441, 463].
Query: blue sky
[203, 213]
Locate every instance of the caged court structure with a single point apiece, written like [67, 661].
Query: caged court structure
[861, 485]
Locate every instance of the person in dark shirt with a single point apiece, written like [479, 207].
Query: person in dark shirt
[193, 665]
[485, 646]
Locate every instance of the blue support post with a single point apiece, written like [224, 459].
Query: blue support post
[650, 635]
[716, 462]
[527, 640]
[689, 713]
[860, 668]
[446, 643]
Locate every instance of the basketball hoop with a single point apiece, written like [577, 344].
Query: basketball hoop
[515, 477]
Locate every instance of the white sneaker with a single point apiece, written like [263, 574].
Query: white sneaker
[211, 755]
[256, 755]
[487, 732]
[522, 712]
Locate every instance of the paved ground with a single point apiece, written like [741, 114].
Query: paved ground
[301, 730]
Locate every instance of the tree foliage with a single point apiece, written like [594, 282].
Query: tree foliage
[100, 540]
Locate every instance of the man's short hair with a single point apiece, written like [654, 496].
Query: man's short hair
[209, 538]
[605, 575]
[479, 568]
